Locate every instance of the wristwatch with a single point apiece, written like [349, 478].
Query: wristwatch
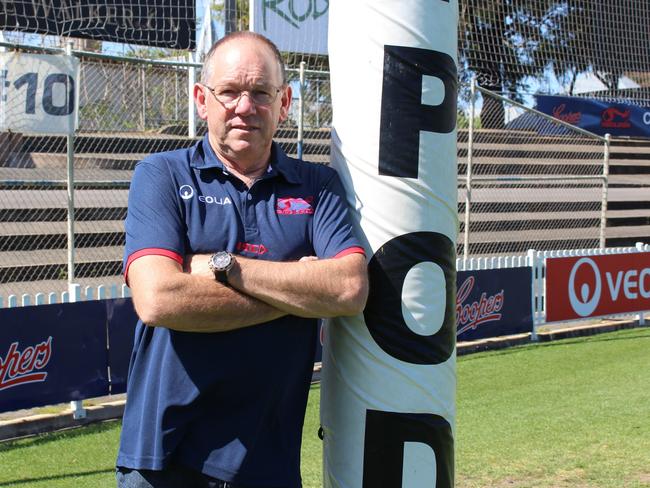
[220, 262]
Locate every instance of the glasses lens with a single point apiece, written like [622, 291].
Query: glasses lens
[263, 95]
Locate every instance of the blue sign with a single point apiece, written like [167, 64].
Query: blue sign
[52, 354]
[597, 116]
[121, 320]
[493, 302]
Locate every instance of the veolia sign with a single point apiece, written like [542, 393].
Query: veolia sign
[579, 287]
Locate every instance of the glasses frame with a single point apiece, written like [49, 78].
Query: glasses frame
[233, 103]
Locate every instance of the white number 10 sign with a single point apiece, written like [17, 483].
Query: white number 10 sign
[38, 93]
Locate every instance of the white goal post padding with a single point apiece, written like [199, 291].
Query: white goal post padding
[389, 376]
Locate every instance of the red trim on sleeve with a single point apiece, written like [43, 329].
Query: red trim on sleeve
[150, 251]
[351, 250]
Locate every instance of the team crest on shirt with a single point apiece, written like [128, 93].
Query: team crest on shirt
[294, 206]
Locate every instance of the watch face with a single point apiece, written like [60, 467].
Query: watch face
[221, 260]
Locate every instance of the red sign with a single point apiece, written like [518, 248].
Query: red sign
[593, 286]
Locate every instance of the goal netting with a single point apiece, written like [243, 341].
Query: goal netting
[593, 47]
[157, 23]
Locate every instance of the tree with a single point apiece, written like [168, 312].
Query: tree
[504, 43]
[508, 43]
[233, 14]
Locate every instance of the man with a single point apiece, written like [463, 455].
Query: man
[232, 252]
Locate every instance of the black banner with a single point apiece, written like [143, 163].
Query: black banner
[157, 23]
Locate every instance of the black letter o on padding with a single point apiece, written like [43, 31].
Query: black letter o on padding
[383, 313]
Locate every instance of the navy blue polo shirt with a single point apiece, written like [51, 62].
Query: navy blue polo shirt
[229, 404]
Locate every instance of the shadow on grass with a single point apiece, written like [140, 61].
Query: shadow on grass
[25, 481]
[584, 340]
[48, 437]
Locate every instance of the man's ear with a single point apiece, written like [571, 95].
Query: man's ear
[286, 103]
[201, 100]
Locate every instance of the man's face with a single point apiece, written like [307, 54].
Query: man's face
[240, 128]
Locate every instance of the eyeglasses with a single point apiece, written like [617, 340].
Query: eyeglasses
[229, 96]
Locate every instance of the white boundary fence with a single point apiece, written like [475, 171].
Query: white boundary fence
[537, 261]
[534, 259]
[74, 294]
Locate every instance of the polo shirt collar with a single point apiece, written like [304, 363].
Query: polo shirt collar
[204, 157]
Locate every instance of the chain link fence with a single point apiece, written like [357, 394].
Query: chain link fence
[128, 109]
[534, 183]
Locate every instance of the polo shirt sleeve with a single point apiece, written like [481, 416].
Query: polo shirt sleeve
[154, 223]
[333, 232]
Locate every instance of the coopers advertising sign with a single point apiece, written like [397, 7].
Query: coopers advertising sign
[593, 286]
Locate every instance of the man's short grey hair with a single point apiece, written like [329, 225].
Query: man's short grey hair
[206, 71]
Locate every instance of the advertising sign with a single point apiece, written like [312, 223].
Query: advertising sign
[38, 93]
[493, 302]
[597, 116]
[120, 320]
[295, 26]
[593, 286]
[52, 354]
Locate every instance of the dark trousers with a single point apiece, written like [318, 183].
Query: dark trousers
[173, 476]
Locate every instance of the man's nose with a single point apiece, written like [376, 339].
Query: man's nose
[245, 104]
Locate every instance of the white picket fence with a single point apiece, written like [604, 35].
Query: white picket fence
[74, 294]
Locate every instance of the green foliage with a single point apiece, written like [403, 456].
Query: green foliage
[462, 121]
[233, 13]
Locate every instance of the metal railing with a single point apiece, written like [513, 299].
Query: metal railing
[517, 179]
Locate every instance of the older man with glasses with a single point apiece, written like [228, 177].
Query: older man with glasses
[233, 250]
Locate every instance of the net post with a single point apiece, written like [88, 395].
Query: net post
[468, 178]
[191, 79]
[70, 190]
[143, 85]
[603, 206]
[535, 291]
[78, 410]
[301, 109]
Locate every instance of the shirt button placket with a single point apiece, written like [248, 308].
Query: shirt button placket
[250, 218]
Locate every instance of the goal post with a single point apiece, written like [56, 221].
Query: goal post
[389, 375]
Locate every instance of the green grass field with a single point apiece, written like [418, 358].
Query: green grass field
[572, 413]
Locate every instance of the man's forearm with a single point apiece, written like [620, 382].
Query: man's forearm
[165, 296]
[307, 288]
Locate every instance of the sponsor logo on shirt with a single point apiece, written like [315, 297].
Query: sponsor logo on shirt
[20, 367]
[252, 248]
[209, 199]
[294, 206]
[187, 192]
